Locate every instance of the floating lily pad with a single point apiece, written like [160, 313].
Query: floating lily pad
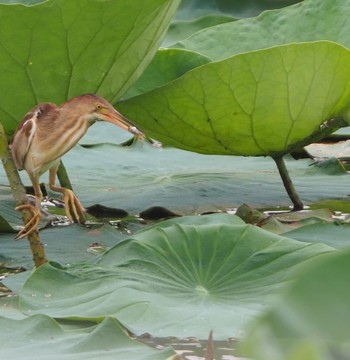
[332, 234]
[39, 337]
[182, 277]
[65, 244]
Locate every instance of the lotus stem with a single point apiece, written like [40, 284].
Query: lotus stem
[288, 184]
[63, 177]
[19, 195]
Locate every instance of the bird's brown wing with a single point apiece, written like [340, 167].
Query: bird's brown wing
[25, 132]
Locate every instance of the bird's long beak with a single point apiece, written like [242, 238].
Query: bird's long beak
[118, 119]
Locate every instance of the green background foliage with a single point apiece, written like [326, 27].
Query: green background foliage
[309, 20]
[303, 324]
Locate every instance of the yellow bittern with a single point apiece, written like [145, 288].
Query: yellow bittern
[46, 133]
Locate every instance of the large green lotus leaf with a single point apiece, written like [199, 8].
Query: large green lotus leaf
[166, 66]
[183, 277]
[41, 337]
[179, 30]
[257, 103]
[190, 9]
[311, 320]
[309, 20]
[194, 15]
[62, 48]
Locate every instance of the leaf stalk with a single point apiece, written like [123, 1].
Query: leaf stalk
[19, 195]
[288, 184]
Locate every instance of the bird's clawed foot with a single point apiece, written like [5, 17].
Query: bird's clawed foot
[74, 210]
[32, 224]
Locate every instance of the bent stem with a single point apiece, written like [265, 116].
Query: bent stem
[288, 184]
[63, 177]
[19, 195]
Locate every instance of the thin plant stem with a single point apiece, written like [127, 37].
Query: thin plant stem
[63, 177]
[288, 184]
[19, 195]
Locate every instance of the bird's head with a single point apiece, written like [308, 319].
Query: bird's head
[94, 108]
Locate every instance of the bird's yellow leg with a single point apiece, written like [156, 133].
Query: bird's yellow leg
[33, 223]
[71, 202]
[74, 209]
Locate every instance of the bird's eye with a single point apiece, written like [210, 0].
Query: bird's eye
[98, 107]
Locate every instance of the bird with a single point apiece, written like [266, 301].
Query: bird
[49, 131]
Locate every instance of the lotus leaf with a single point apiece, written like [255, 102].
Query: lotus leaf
[182, 277]
[242, 8]
[166, 66]
[41, 337]
[265, 102]
[179, 30]
[62, 48]
[310, 20]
